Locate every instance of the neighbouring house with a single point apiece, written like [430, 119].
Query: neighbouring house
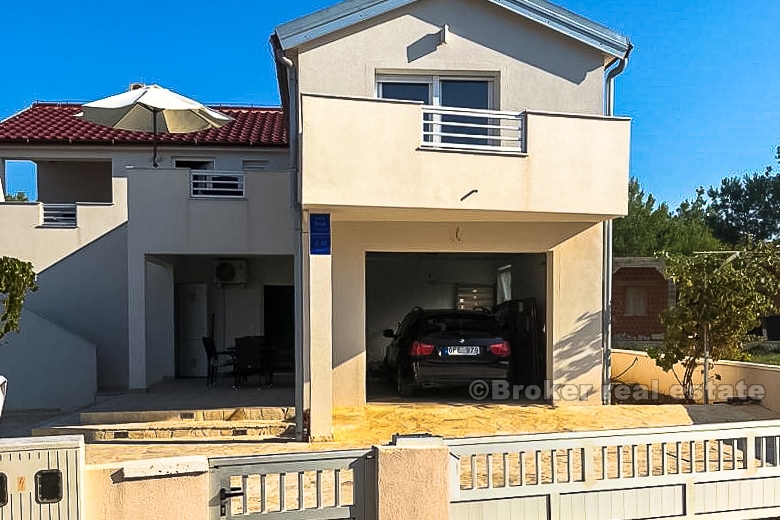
[119, 248]
[639, 293]
[439, 151]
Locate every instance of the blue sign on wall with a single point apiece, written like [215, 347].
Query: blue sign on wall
[319, 233]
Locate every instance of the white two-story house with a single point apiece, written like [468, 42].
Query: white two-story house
[440, 152]
[446, 141]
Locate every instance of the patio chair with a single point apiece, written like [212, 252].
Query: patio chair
[254, 356]
[216, 360]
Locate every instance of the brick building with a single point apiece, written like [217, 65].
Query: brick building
[639, 294]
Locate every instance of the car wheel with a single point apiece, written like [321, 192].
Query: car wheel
[403, 387]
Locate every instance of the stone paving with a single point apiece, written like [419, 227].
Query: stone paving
[182, 400]
[192, 394]
[376, 424]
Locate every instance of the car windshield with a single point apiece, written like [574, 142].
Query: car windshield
[460, 322]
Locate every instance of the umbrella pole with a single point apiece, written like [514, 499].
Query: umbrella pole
[154, 137]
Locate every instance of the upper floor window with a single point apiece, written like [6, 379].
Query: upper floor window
[442, 91]
[194, 164]
[636, 301]
[446, 92]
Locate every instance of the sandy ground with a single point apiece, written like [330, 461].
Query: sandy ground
[378, 422]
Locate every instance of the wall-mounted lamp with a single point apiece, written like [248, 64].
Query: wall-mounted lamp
[444, 34]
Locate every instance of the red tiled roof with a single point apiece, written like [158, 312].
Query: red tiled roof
[53, 123]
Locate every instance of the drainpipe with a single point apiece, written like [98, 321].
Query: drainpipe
[290, 103]
[606, 288]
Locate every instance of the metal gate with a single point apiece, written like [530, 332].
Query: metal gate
[712, 472]
[306, 486]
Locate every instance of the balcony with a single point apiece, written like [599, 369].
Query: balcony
[46, 232]
[374, 153]
[184, 211]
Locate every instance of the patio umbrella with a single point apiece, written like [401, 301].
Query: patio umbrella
[152, 108]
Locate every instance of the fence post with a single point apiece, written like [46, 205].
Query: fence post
[405, 470]
[364, 473]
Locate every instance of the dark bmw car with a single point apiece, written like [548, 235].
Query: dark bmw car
[445, 347]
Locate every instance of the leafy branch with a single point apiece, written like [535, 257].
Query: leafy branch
[728, 295]
[17, 278]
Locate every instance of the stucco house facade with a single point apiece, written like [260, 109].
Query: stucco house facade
[436, 148]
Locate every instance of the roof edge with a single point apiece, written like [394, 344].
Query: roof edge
[331, 19]
[350, 12]
[118, 143]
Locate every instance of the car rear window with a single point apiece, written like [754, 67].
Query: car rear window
[460, 322]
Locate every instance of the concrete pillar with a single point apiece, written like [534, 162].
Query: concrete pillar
[412, 479]
[318, 339]
[3, 183]
[575, 320]
[136, 321]
[159, 320]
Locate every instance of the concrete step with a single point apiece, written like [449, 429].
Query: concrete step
[167, 430]
[216, 414]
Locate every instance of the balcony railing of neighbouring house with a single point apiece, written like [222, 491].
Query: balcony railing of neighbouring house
[216, 184]
[59, 215]
[471, 129]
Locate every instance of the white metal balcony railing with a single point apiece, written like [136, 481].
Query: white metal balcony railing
[471, 129]
[216, 184]
[59, 215]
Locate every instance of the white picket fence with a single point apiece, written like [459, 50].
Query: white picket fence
[709, 471]
[721, 471]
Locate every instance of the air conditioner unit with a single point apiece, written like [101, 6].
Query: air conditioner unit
[230, 271]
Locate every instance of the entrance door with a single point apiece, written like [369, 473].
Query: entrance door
[193, 325]
[279, 321]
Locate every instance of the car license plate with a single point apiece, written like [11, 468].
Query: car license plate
[462, 351]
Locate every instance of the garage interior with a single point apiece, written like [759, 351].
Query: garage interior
[512, 285]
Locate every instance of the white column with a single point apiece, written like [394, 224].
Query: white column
[2, 180]
[318, 340]
[136, 321]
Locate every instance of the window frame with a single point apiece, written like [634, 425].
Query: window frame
[638, 306]
[434, 82]
[3, 489]
[39, 475]
[190, 159]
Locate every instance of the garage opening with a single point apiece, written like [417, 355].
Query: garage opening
[507, 289]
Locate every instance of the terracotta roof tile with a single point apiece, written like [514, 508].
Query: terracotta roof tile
[53, 123]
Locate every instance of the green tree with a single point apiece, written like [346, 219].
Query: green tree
[728, 294]
[746, 207]
[19, 197]
[650, 228]
[689, 231]
[17, 278]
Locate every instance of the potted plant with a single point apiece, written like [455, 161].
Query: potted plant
[17, 278]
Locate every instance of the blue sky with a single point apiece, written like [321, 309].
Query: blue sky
[702, 85]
